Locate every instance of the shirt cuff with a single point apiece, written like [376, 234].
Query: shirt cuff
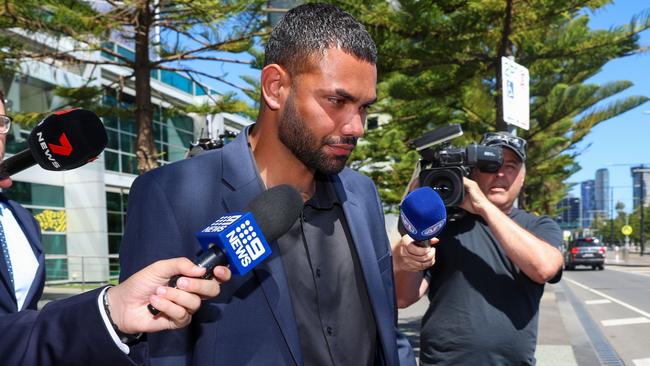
[107, 323]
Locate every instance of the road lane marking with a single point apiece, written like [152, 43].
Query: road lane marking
[635, 309]
[641, 362]
[598, 302]
[624, 321]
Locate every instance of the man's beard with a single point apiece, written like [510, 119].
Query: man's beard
[299, 138]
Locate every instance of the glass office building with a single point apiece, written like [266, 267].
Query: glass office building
[82, 211]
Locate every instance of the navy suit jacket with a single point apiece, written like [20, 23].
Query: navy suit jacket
[32, 232]
[251, 322]
[65, 332]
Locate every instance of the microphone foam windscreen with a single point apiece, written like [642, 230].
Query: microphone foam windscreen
[67, 139]
[275, 210]
[423, 213]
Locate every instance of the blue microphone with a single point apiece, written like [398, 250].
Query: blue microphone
[422, 215]
[240, 239]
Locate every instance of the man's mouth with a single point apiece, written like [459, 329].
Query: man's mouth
[498, 189]
[341, 149]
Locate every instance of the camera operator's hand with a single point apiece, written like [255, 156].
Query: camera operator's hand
[409, 257]
[475, 200]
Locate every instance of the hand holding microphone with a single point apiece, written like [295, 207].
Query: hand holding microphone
[128, 301]
[422, 216]
[240, 239]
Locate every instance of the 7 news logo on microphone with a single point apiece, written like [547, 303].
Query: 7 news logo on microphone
[240, 239]
[67, 139]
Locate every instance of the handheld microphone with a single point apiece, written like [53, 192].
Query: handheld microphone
[63, 140]
[240, 239]
[422, 215]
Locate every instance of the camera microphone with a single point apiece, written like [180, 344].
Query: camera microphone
[422, 215]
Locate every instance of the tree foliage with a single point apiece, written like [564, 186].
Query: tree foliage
[604, 228]
[439, 63]
[194, 38]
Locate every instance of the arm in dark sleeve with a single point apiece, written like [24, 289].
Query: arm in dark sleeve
[405, 353]
[151, 231]
[65, 332]
[549, 231]
[151, 234]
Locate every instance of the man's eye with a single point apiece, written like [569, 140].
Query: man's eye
[335, 101]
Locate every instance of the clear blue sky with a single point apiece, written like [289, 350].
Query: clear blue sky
[621, 140]
[626, 138]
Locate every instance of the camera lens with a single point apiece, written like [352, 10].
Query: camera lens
[447, 182]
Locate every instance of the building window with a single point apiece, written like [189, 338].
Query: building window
[47, 205]
[16, 139]
[116, 217]
[372, 123]
[26, 94]
[172, 135]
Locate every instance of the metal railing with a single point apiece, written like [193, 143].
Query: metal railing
[81, 269]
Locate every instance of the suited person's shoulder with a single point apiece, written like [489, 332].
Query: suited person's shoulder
[182, 170]
[352, 176]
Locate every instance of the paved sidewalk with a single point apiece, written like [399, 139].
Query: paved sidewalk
[632, 259]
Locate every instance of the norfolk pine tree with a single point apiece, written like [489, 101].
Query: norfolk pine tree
[209, 31]
[439, 63]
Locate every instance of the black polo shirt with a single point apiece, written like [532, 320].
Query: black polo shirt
[328, 292]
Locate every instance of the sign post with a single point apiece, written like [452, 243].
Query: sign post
[627, 231]
[515, 93]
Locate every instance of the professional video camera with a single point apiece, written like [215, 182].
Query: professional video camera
[206, 143]
[443, 168]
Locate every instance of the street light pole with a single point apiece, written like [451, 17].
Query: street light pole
[641, 231]
[611, 215]
[641, 171]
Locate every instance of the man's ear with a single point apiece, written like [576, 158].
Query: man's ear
[523, 179]
[275, 80]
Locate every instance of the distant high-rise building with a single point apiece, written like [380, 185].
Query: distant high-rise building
[569, 213]
[601, 193]
[277, 9]
[588, 198]
[640, 185]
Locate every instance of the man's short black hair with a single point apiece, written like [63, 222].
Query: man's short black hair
[308, 30]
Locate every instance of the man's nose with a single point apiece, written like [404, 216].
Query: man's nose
[354, 126]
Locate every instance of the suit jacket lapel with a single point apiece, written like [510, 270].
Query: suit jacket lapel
[359, 230]
[241, 185]
[9, 301]
[33, 237]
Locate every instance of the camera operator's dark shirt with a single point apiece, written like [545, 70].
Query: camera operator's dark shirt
[483, 309]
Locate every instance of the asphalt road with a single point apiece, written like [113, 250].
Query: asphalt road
[618, 301]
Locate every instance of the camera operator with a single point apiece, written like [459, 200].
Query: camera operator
[491, 267]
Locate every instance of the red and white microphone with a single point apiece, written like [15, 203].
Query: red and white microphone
[63, 140]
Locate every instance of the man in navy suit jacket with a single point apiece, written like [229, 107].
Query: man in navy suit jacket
[326, 294]
[75, 331]
[32, 232]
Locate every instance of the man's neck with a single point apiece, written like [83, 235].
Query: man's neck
[506, 209]
[277, 164]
